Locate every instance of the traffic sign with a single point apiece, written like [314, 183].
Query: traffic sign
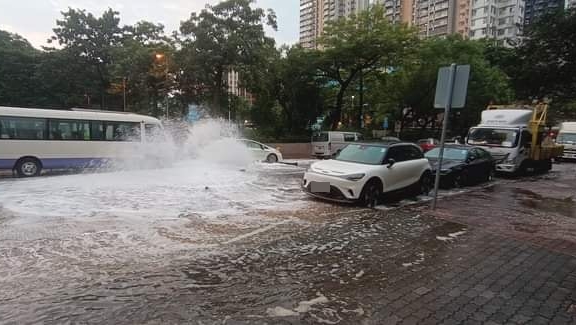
[458, 87]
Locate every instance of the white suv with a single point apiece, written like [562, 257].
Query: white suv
[363, 172]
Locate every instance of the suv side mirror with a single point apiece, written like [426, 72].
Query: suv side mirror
[472, 158]
[391, 162]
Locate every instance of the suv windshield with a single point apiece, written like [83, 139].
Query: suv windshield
[320, 137]
[449, 153]
[363, 154]
[566, 138]
[493, 137]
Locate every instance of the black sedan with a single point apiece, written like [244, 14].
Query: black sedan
[462, 165]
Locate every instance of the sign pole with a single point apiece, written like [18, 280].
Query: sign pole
[447, 108]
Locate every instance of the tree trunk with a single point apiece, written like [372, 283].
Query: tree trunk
[337, 112]
[218, 92]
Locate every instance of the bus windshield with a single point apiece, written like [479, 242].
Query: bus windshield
[505, 138]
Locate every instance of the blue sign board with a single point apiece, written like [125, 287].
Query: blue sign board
[385, 124]
[193, 113]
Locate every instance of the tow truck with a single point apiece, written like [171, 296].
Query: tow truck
[515, 135]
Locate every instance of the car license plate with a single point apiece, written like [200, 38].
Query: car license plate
[320, 187]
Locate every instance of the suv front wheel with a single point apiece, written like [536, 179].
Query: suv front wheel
[371, 193]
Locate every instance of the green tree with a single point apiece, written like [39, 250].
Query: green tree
[221, 37]
[288, 92]
[18, 60]
[359, 45]
[412, 88]
[92, 40]
[547, 58]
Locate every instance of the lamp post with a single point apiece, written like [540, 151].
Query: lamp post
[164, 57]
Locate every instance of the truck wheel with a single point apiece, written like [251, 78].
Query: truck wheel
[28, 167]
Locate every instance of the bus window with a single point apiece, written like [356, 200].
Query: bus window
[96, 130]
[22, 128]
[69, 130]
[122, 131]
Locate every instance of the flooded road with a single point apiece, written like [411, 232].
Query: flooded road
[227, 245]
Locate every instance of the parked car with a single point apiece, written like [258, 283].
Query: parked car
[428, 144]
[328, 144]
[462, 165]
[362, 172]
[262, 152]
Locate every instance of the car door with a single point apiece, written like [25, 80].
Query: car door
[475, 164]
[398, 174]
[256, 150]
[487, 162]
[416, 163]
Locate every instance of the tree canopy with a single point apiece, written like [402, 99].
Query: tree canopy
[365, 69]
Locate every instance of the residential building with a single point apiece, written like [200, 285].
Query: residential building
[309, 23]
[501, 20]
[537, 8]
[431, 17]
[314, 14]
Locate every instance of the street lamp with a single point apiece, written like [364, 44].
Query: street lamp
[163, 57]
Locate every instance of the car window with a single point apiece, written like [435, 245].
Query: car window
[363, 154]
[253, 145]
[336, 136]
[413, 153]
[349, 137]
[320, 137]
[397, 153]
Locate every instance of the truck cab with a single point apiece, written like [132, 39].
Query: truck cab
[567, 138]
[516, 138]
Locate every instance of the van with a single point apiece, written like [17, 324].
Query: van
[328, 144]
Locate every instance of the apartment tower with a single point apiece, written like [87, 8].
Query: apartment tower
[537, 8]
[314, 14]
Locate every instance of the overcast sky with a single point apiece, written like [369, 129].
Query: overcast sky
[34, 19]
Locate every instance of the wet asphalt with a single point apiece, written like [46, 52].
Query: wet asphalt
[315, 263]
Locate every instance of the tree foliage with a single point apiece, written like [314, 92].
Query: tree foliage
[222, 37]
[363, 44]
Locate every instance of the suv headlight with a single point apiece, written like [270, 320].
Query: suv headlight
[354, 177]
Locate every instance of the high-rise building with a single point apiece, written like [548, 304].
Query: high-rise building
[501, 20]
[309, 23]
[314, 14]
[431, 17]
[537, 8]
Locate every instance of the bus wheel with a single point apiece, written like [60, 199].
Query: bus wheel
[28, 167]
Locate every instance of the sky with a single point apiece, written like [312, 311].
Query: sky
[34, 19]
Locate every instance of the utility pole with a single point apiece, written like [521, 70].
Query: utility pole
[361, 117]
[124, 94]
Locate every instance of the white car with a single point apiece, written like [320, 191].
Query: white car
[363, 172]
[262, 152]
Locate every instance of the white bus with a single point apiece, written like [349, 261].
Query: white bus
[35, 139]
